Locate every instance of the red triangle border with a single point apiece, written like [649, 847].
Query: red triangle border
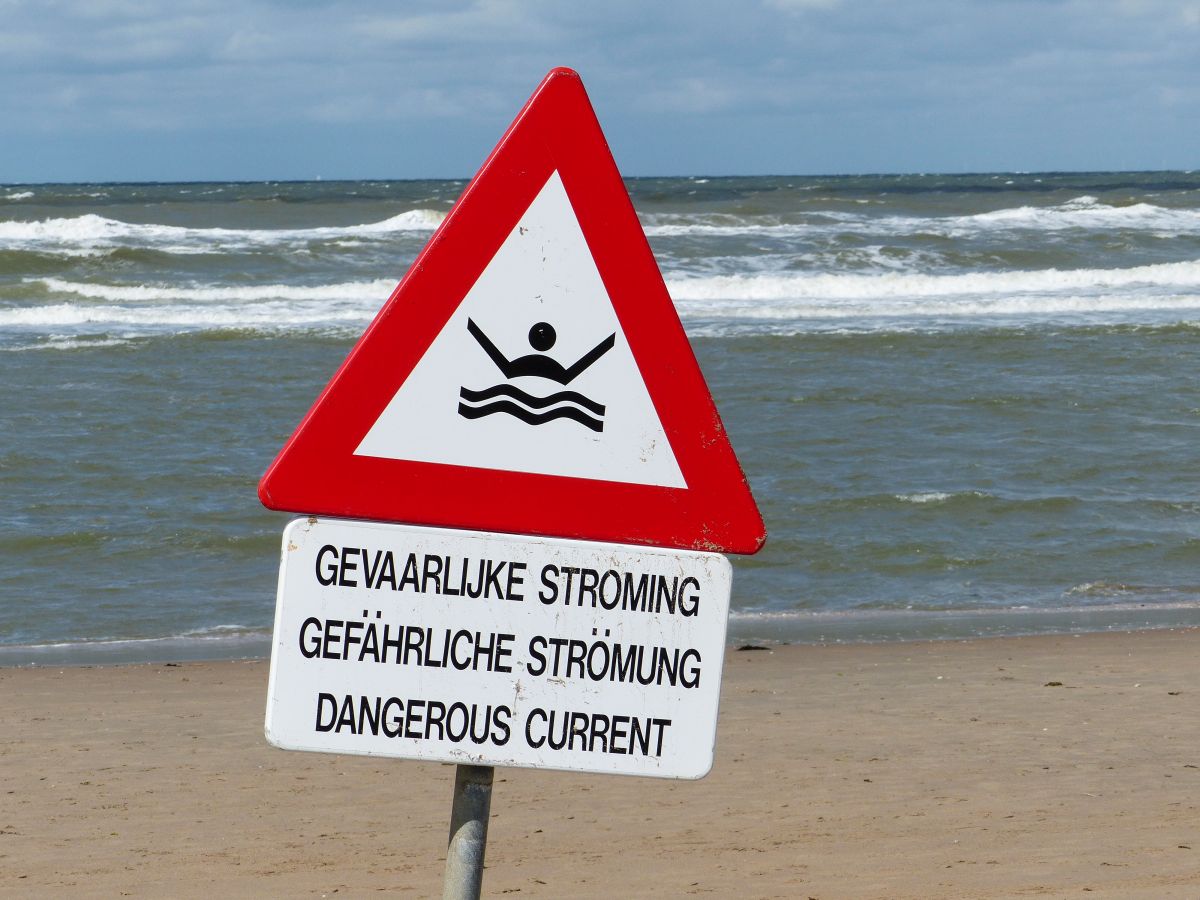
[317, 472]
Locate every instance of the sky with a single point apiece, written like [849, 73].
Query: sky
[211, 90]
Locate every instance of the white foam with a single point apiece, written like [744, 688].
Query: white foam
[1084, 212]
[89, 233]
[720, 225]
[67, 342]
[927, 497]
[841, 290]
[134, 310]
[792, 303]
[354, 291]
[272, 316]
[65, 326]
[758, 303]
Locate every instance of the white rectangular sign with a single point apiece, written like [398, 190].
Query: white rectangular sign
[499, 650]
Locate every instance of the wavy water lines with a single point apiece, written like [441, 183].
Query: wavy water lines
[530, 409]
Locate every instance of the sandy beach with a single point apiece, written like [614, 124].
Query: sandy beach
[1047, 766]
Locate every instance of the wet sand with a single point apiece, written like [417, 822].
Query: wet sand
[1016, 767]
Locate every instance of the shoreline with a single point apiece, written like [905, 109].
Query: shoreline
[1041, 766]
[775, 629]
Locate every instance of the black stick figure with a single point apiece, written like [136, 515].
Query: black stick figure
[541, 338]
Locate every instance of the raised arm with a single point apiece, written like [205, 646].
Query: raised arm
[588, 358]
[502, 362]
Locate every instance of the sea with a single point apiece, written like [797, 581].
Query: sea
[967, 405]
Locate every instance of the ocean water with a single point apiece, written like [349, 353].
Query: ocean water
[967, 404]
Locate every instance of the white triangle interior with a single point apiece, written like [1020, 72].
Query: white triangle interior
[458, 407]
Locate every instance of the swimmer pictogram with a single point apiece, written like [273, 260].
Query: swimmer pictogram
[529, 408]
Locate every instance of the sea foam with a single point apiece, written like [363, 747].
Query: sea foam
[829, 286]
[356, 291]
[273, 316]
[148, 309]
[1082, 213]
[85, 234]
[762, 302]
[1085, 213]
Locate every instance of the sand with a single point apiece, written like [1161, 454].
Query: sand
[1048, 766]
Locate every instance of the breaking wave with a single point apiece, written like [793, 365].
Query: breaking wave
[1084, 213]
[1175, 276]
[91, 234]
[359, 291]
[762, 302]
[1094, 294]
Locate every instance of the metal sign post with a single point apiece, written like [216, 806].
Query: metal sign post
[468, 832]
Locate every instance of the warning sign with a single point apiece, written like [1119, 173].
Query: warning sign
[530, 373]
[496, 650]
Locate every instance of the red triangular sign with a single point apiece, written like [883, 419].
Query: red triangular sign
[530, 373]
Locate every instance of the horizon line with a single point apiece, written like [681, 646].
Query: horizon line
[317, 179]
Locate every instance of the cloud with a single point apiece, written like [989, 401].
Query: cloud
[796, 6]
[781, 82]
[482, 20]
